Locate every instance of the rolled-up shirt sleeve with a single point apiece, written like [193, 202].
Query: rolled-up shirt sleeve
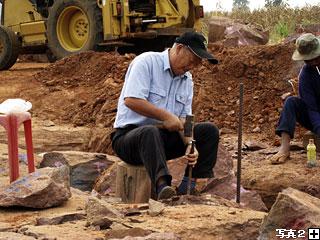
[188, 105]
[138, 80]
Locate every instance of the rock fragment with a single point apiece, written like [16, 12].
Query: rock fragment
[155, 207]
[101, 213]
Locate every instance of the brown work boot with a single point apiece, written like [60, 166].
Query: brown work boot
[167, 192]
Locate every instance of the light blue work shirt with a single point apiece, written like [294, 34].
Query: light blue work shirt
[150, 77]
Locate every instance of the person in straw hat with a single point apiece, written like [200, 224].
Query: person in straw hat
[306, 108]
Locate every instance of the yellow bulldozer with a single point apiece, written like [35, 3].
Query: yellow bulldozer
[59, 28]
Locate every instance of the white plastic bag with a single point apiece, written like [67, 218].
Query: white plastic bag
[15, 106]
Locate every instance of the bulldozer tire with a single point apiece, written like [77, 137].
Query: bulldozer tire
[9, 48]
[74, 26]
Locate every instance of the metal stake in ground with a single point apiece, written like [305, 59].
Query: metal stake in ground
[239, 143]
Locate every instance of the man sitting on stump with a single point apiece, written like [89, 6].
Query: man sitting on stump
[158, 90]
[306, 109]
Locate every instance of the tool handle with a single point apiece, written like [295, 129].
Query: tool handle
[190, 169]
[189, 180]
[192, 146]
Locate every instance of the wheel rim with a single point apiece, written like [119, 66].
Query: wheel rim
[1, 47]
[72, 29]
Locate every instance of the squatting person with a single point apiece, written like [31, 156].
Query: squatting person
[306, 109]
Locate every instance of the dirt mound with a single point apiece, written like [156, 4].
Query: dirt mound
[264, 71]
[79, 88]
[84, 88]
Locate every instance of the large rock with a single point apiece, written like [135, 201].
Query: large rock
[301, 29]
[233, 33]
[292, 210]
[53, 159]
[105, 183]
[84, 175]
[217, 28]
[47, 187]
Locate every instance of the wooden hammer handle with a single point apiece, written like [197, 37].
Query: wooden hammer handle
[190, 170]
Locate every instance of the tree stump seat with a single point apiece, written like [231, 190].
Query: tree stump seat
[133, 184]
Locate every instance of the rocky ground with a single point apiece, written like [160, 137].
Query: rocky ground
[79, 95]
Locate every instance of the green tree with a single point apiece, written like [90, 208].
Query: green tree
[274, 3]
[240, 4]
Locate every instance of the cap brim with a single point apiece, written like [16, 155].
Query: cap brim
[302, 57]
[199, 52]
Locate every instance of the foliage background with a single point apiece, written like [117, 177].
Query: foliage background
[279, 20]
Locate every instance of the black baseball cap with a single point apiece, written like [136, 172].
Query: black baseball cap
[197, 44]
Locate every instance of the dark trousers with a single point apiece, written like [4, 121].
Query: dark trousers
[152, 147]
[294, 110]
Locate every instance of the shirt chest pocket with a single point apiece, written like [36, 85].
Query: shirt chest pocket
[179, 104]
[157, 96]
